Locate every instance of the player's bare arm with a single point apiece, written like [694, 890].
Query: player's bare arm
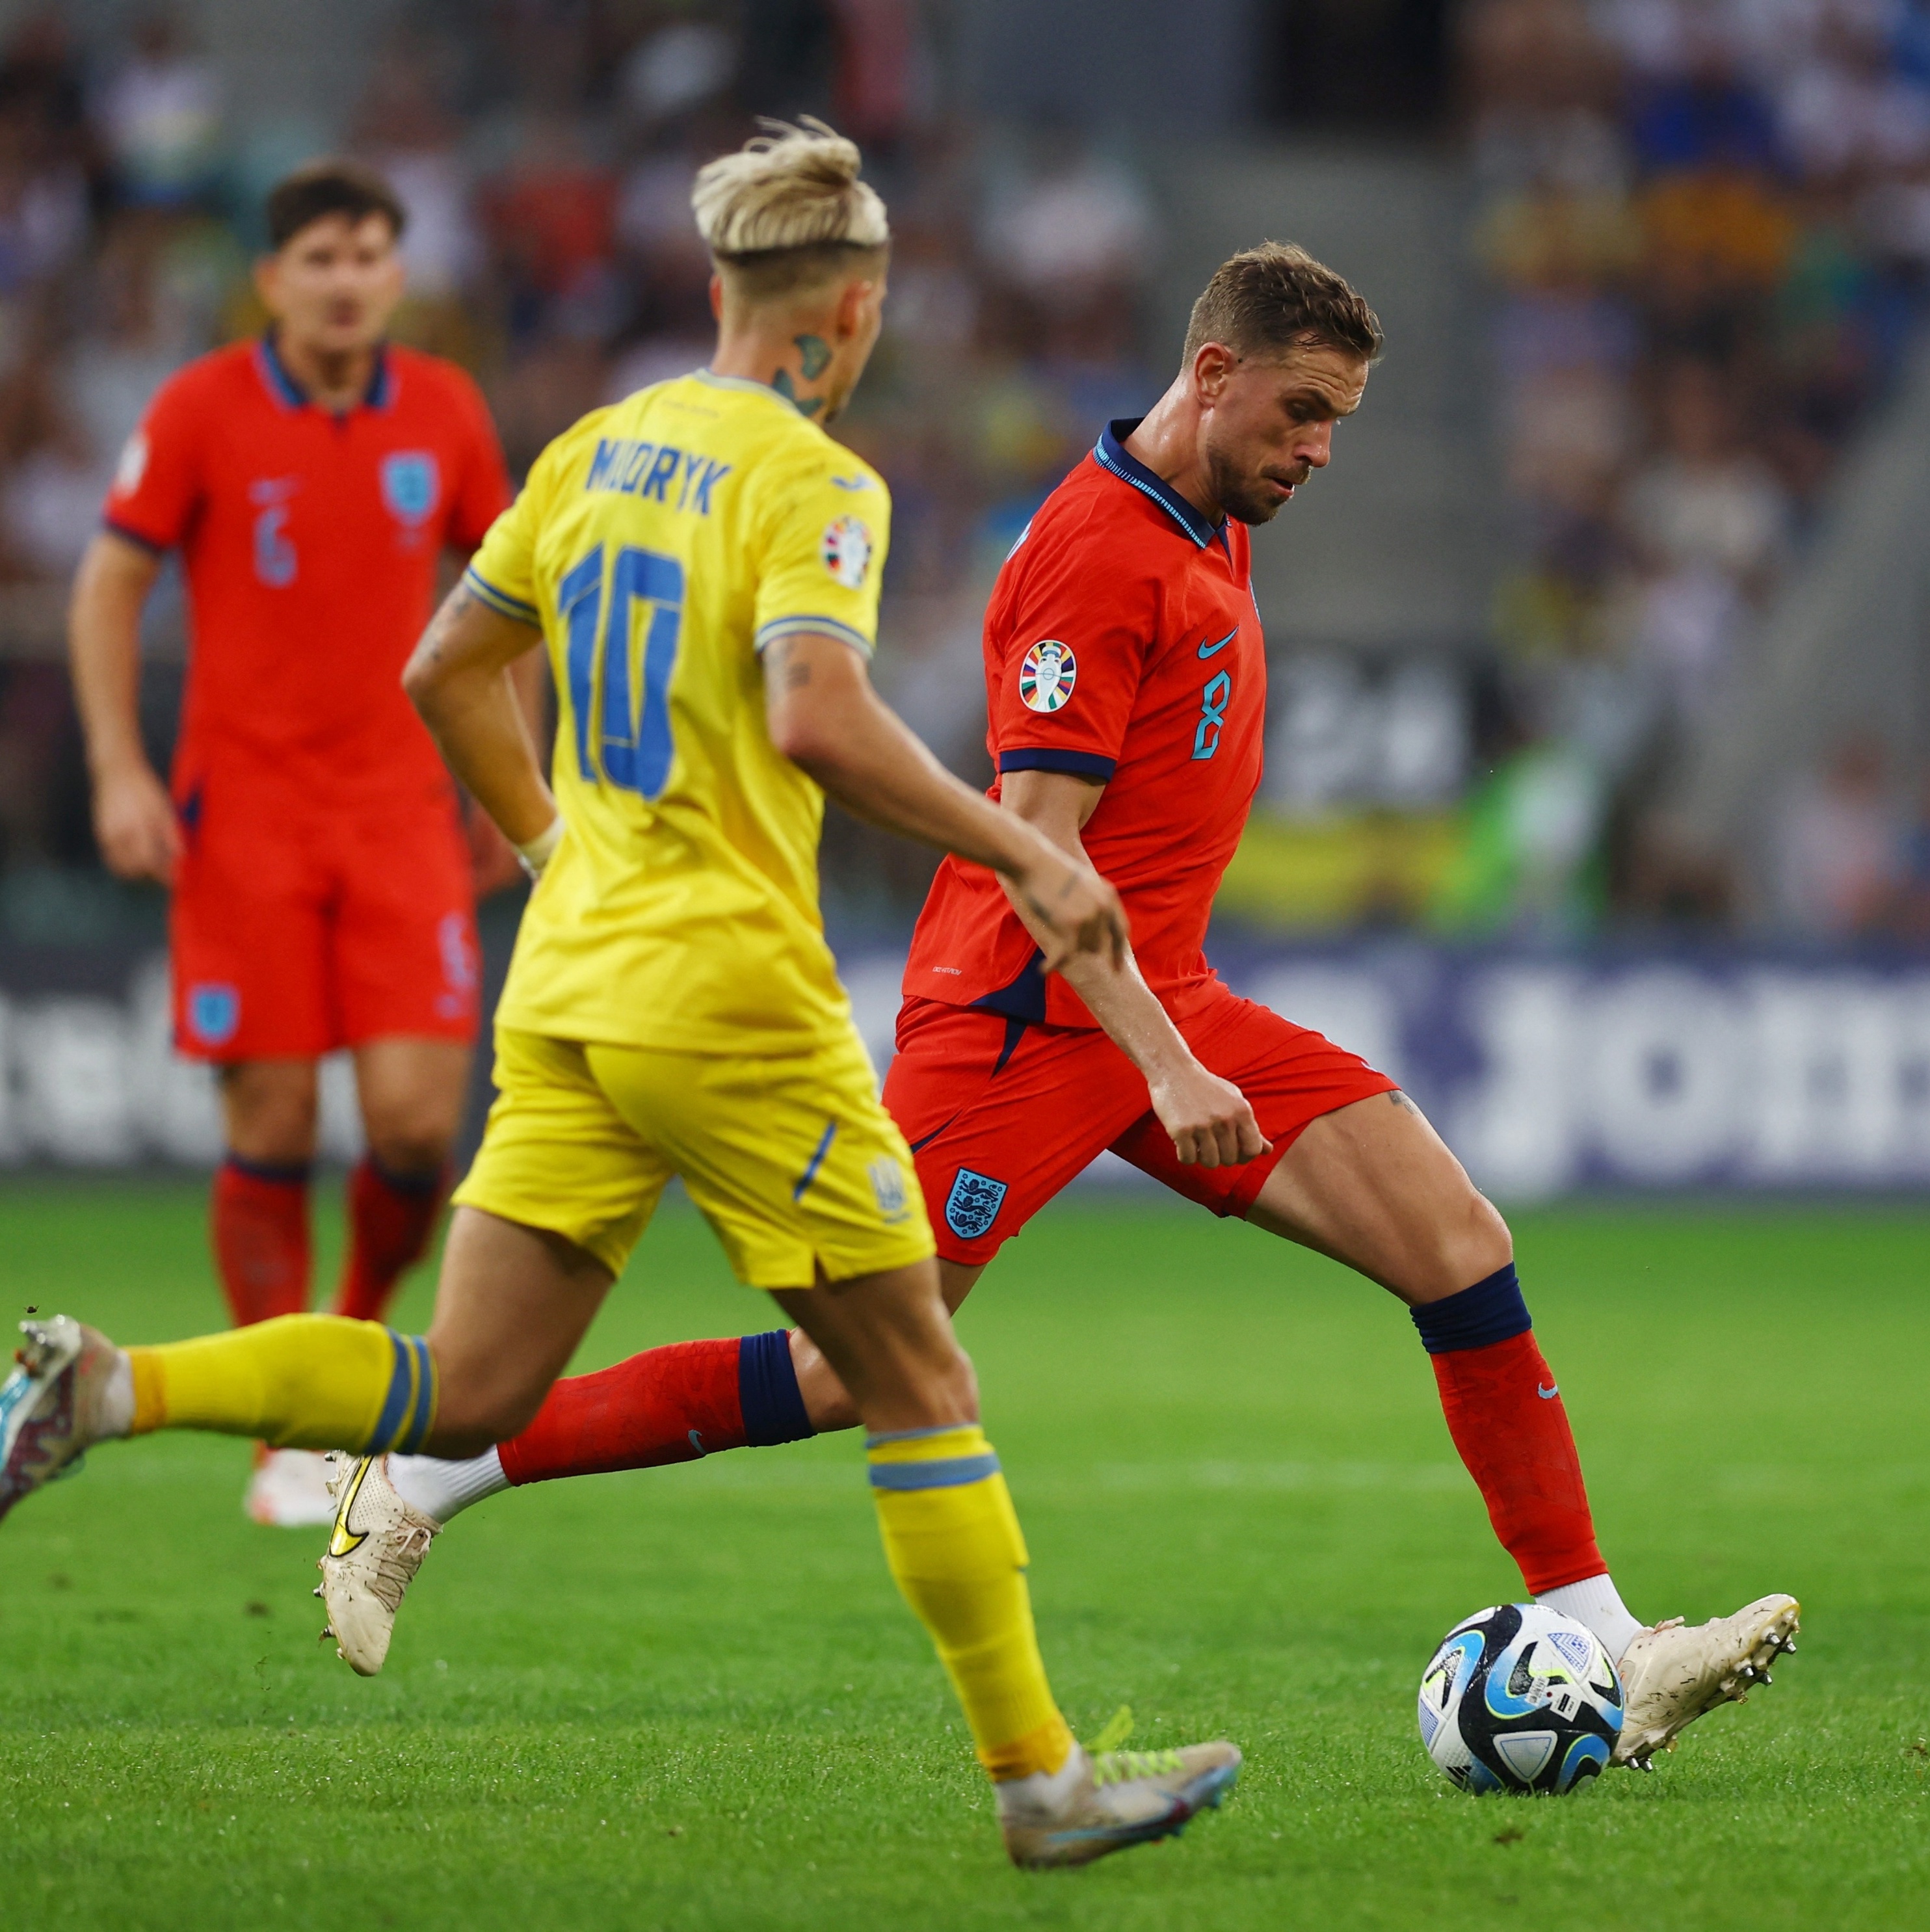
[825, 717]
[1209, 1119]
[133, 817]
[463, 680]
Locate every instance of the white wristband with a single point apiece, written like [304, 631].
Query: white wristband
[540, 849]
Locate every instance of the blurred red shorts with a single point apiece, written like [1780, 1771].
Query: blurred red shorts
[294, 933]
[1001, 1115]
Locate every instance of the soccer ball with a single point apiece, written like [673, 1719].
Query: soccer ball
[1519, 1698]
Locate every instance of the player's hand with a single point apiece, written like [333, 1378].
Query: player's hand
[1208, 1118]
[135, 825]
[1080, 911]
[492, 861]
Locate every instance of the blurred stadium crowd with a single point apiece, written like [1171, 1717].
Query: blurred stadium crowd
[545, 152]
[1703, 226]
[1706, 224]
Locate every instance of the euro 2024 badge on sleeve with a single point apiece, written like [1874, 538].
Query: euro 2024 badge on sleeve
[1045, 678]
[847, 551]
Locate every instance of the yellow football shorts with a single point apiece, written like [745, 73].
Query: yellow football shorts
[793, 1161]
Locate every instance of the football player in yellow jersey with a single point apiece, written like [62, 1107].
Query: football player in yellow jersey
[702, 562]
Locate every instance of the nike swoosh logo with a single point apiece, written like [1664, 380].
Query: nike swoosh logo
[343, 1540]
[697, 1443]
[1547, 1395]
[1206, 650]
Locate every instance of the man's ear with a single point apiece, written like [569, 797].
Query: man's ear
[716, 297]
[1212, 367]
[266, 280]
[851, 300]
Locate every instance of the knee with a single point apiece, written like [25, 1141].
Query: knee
[269, 1115]
[1473, 1243]
[411, 1138]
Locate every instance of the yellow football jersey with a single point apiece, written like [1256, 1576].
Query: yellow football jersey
[661, 544]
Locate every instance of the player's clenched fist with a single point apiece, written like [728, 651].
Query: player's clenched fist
[134, 824]
[1209, 1119]
[1080, 911]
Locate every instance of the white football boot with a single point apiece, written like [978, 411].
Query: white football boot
[1117, 1799]
[290, 1489]
[50, 1405]
[377, 1545]
[1672, 1675]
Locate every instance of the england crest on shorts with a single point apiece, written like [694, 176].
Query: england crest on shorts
[214, 1013]
[972, 1204]
[410, 484]
[1045, 678]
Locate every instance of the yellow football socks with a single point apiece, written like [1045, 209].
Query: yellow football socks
[952, 1539]
[300, 1381]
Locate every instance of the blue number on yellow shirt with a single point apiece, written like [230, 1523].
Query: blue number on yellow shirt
[632, 741]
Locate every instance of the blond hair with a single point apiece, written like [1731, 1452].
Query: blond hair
[787, 209]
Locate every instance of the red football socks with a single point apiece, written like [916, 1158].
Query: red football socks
[669, 1405]
[258, 1226]
[391, 1218]
[1505, 1412]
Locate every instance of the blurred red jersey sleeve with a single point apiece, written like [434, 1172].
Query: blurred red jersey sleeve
[482, 492]
[157, 483]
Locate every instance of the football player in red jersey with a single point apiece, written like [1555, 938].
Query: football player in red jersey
[312, 481]
[1125, 673]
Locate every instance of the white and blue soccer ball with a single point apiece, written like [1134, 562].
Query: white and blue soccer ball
[1520, 1699]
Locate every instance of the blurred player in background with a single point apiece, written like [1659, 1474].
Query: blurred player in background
[313, 482]
[702, 562]
[1126, 679]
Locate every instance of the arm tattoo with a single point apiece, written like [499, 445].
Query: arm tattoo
[1401, 1101]
[781, 671]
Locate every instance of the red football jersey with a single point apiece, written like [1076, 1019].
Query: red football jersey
[1121, 644]
[311, 542]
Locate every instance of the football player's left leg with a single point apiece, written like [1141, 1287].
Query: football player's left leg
[1373, 1185]
[411, 1093]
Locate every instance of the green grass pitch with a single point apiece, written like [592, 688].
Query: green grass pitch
[690, 1699]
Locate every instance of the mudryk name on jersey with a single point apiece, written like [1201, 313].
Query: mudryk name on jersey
[658, 471]
[661, 545]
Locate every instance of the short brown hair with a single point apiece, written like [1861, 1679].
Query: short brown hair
[332, 187]
[1268, 300]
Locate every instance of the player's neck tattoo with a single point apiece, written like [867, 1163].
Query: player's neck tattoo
[814, 358]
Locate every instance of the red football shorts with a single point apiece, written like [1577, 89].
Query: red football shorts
[1001, 1115]
[293, 933]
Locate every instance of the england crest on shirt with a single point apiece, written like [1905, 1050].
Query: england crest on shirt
[410, 484]
[1045, 678]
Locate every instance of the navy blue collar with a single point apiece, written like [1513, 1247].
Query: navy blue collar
[287, 390]
[1110, 452]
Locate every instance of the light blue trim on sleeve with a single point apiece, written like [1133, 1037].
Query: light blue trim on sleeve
[790, 627]
[500, 600]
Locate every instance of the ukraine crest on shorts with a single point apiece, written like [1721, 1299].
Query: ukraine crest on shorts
[972, 1204]
[1045, 678]
[410, 484]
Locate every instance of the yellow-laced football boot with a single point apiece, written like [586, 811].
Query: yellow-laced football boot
[1104, 1803]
